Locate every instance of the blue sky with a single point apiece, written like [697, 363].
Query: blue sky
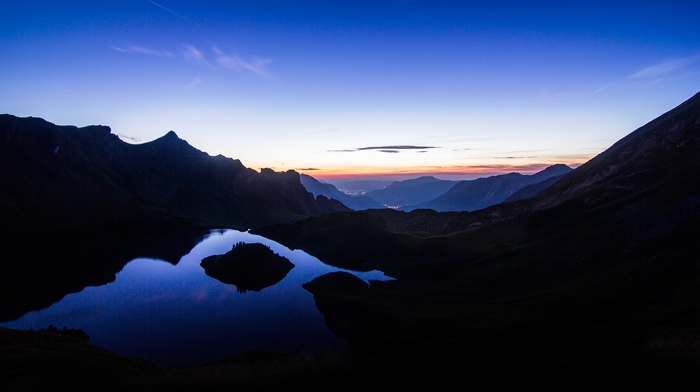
[399, 88]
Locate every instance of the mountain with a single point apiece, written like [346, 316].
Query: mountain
[69, 177]
[533, 189]
[77, 204]
[410, 192]
[591, 281]
[317, 188]
[484, 192]
[595, 274]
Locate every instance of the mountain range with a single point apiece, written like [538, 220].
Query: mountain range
[69, 177]
[595, 273]
[587, 277]
[428, 192]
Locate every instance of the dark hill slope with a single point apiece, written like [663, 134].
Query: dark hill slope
[64, 176]
[533, 189]
[597, 272]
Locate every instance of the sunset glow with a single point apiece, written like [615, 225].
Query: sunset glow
[393, 89]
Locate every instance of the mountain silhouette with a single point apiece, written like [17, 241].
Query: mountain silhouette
[69, 177]
[595, 273]
[410, 192]
[483, 192]
[533, 189]
[591, 279]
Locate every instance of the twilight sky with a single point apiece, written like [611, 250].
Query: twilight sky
[453, 89]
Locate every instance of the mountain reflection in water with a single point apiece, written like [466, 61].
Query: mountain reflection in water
[176, 314]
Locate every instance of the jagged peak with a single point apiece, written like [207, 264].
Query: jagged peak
[171, 135]
[170, 138]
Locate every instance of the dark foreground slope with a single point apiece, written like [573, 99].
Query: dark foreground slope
[597, 273]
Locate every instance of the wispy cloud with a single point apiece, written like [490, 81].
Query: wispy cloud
[190, 52]
[388, 149]
[214, 57]
[143, 50]
[127, 137]
[234, 62]
[664, 70]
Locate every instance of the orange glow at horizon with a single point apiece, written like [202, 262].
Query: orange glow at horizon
[462, 172]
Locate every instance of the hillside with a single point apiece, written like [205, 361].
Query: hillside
[595, 273]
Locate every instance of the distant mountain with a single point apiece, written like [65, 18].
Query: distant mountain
[359, 202]
[597, 272]
[533, 189]
[69, 177]
[360, 187]
[483, 192]
[410, 192]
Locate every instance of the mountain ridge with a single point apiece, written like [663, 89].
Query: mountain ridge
[596, 272]
[484, 192]
[67, 176]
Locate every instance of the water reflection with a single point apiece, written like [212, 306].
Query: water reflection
[176, 314]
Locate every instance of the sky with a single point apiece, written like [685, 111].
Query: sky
[356, 89]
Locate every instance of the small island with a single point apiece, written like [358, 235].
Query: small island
[248, 266]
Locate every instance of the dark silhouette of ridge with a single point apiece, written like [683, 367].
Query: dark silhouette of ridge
[591, 280]
[595, 273]
[484, 192]
[64, 176]
[77, 204]
[403, 193]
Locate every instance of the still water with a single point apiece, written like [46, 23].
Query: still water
[177, 315]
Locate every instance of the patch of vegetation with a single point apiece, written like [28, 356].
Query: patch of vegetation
[78, 333]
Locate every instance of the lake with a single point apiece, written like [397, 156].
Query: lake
[177, 315]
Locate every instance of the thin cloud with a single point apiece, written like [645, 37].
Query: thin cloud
[308, 169]
[125, 137]
[234, 62]
[219, 59]
[190, 52]
[659, 72]
[170, 11]
[143, 50]
[663, 69]
[656, 73]
[399, 147]
[388, 149]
